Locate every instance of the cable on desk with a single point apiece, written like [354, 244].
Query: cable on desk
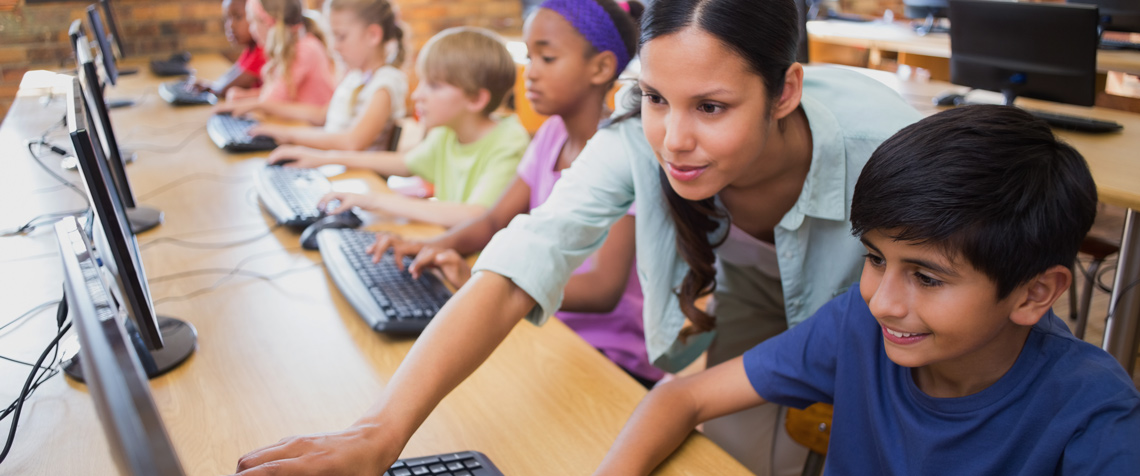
[162, 129]
[208, 271]
[31, 312]
[230, 275]
[163, 149]
[62, 181]
[38, 375]
[192, 177]
[207, 246]
[34, 222]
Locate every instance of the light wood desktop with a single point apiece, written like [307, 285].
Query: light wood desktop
[878, 36]
[277, 358]
[1115, 165]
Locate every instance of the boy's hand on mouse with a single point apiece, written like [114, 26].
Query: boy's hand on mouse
[357, 450]
[347, 201]
[298, 156]
[400, 248]
[202, 85]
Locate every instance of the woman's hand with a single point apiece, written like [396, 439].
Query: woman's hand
[357, 450]
[237, 108]
[298, 156]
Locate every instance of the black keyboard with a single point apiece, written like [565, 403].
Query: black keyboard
[1118, 45]
[386, 298]
[169, 68]
[1076, 123]
[467, 463]
[180, 93]
[291, 194]
[232, 134]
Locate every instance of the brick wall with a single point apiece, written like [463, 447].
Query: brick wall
[34, 35]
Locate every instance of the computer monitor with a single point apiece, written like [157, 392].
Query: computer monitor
[115, 377]
[168, 342]
[141, 218]
[1116, 15]
[105, 51]
[929, 11]
[115, 36]
[1038, 50]
[73, 33]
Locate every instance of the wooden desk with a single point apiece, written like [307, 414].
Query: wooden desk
[1115, 165]
[900, 37]
[283, 357]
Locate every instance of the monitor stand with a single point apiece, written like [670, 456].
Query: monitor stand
[128, 71]
[143, 218]
[180, 340]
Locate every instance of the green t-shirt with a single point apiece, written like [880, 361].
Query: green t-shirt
[475, 173]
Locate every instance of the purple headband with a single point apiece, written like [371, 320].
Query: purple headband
[592, 21]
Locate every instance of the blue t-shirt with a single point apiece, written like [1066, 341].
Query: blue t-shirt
[1065, 407]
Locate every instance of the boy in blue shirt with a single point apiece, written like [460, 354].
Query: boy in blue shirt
[946, 358]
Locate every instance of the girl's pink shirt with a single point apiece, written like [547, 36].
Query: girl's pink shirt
[312, 78]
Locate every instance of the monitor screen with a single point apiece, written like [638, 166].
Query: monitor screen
[1116, 15]
[113, 233]
[115, 377]
[114, 27]
[925, 8]
[1038, 50]
[104, 45]
[96, 108]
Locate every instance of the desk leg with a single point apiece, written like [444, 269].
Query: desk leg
[1120, 332]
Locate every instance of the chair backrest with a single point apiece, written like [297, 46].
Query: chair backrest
[811, 426]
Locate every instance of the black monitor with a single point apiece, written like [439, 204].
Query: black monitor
[1038, 50]
[73, 33]
[164, 343]
[105, 50]
[929, 11]
[115, 36]
[141, 218]
[1116, 15]
[115, 377]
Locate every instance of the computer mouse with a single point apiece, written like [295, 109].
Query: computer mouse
[282, 162]
[949, 99]
[340, 220]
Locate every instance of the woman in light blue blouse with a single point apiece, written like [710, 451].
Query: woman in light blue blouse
[739, 153]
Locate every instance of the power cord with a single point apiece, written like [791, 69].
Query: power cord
[34, 222]
[193, 177]
[169, 149]
[208, 246]
[38, 375]
[230, 275]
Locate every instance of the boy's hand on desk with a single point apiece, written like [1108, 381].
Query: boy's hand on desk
[298, 156]
[354, 451]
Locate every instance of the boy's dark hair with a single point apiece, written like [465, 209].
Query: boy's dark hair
[989, 183]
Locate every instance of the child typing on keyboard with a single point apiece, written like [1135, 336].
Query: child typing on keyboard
[369, 100]
[246, 72]
[603, 299]
[946, 357]
[297, 75]
[468, 155]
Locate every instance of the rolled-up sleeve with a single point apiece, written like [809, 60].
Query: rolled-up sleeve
[539, 251]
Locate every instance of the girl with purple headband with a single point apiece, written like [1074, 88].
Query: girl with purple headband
[576, 51]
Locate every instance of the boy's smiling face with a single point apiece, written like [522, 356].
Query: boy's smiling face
[939, 314]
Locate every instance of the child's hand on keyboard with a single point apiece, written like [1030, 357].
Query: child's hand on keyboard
[279, 133]
[357, 450]
[238, 108]
[400, 248]
[347, 202]
[298, 156]
[454, 267]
